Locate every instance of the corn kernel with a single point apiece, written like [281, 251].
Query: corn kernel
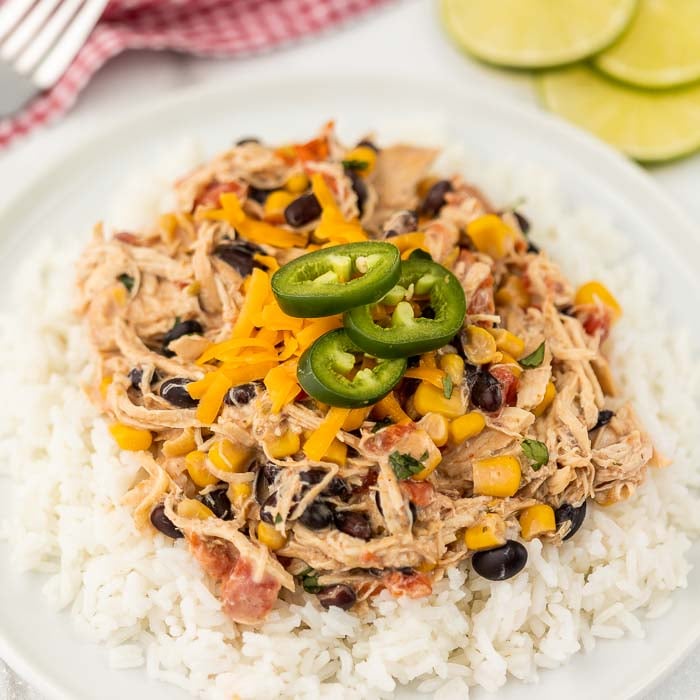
[430, 466]
[183, 444]
[480, 347]
[593, 292]
[119, 294]
[513, 293]
[436, 426]
[104, 385]
[356, 418]
[197, 469]
[537, 520]
[284, 446]
[549, 393]
[226, 457]
[238, 493]
[167, 224]
[496, 476]
[512, 363]
[364, 155]
[191, 508]
[337, 453]
[488, 533]
[430, 399]
[270, 537]
[507, 341]
[297, 183]
[426, 567]
[466, 426]
[193, 288]
[276, 203]
[131, 439]
[491, 235]
[453, 366]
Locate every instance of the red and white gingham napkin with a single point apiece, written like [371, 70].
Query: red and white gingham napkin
[213, 28]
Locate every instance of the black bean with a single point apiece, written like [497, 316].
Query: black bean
[337, 487]
[435, 198]
[369, 144]
[604, 417]
[240, 395]
[317, 516]
[574, 514]
[270, 472]
[303, 210]
[403, 221]
[486, 393]
[218, 503]
[406, 570]
[522, 222]
[501, 563]
[266, 508]
[174, 391]
[339, 596]
[136, 375]
[359, 187]
[247, 139]
[190, 327]
[164, 524]
[257, 194]
[239, 255]
[354, 524]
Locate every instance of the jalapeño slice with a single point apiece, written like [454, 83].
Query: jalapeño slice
[332, 280]
[328, 371]
[404, 334]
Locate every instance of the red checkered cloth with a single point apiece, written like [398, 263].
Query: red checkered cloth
[213, 28]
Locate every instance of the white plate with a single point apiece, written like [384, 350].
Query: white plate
[74, 193]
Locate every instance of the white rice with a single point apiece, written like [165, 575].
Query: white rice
[148, 601]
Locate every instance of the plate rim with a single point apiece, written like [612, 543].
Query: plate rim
[618, 166]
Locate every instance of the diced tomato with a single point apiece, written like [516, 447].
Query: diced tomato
[414, 585]
[509, 384]
[246, 600]
[386, 439]
[482, 301]
[596, 320]
[209, 197]
[216, 557]
[128, 238]
[316, 149]
[420, 492]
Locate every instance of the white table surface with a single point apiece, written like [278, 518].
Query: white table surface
[403, 39]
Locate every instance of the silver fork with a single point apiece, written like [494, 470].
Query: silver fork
[38, 41]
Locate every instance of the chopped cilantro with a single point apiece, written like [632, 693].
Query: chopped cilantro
[534, 359]
[309, 581]
[278, 519]
[405, 466]
[127, 281]
[354, 164]
[536, 452]
[447, 386]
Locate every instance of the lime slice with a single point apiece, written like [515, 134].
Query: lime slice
[660, 49]
[647, 125]
[535, 33]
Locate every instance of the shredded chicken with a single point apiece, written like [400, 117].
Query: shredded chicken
[179, 337]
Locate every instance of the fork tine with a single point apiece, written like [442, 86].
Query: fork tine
[60, 56]
[10, 13]
[27, 28]
[48, 34]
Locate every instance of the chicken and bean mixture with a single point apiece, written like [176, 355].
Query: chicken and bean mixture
[344, 374]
